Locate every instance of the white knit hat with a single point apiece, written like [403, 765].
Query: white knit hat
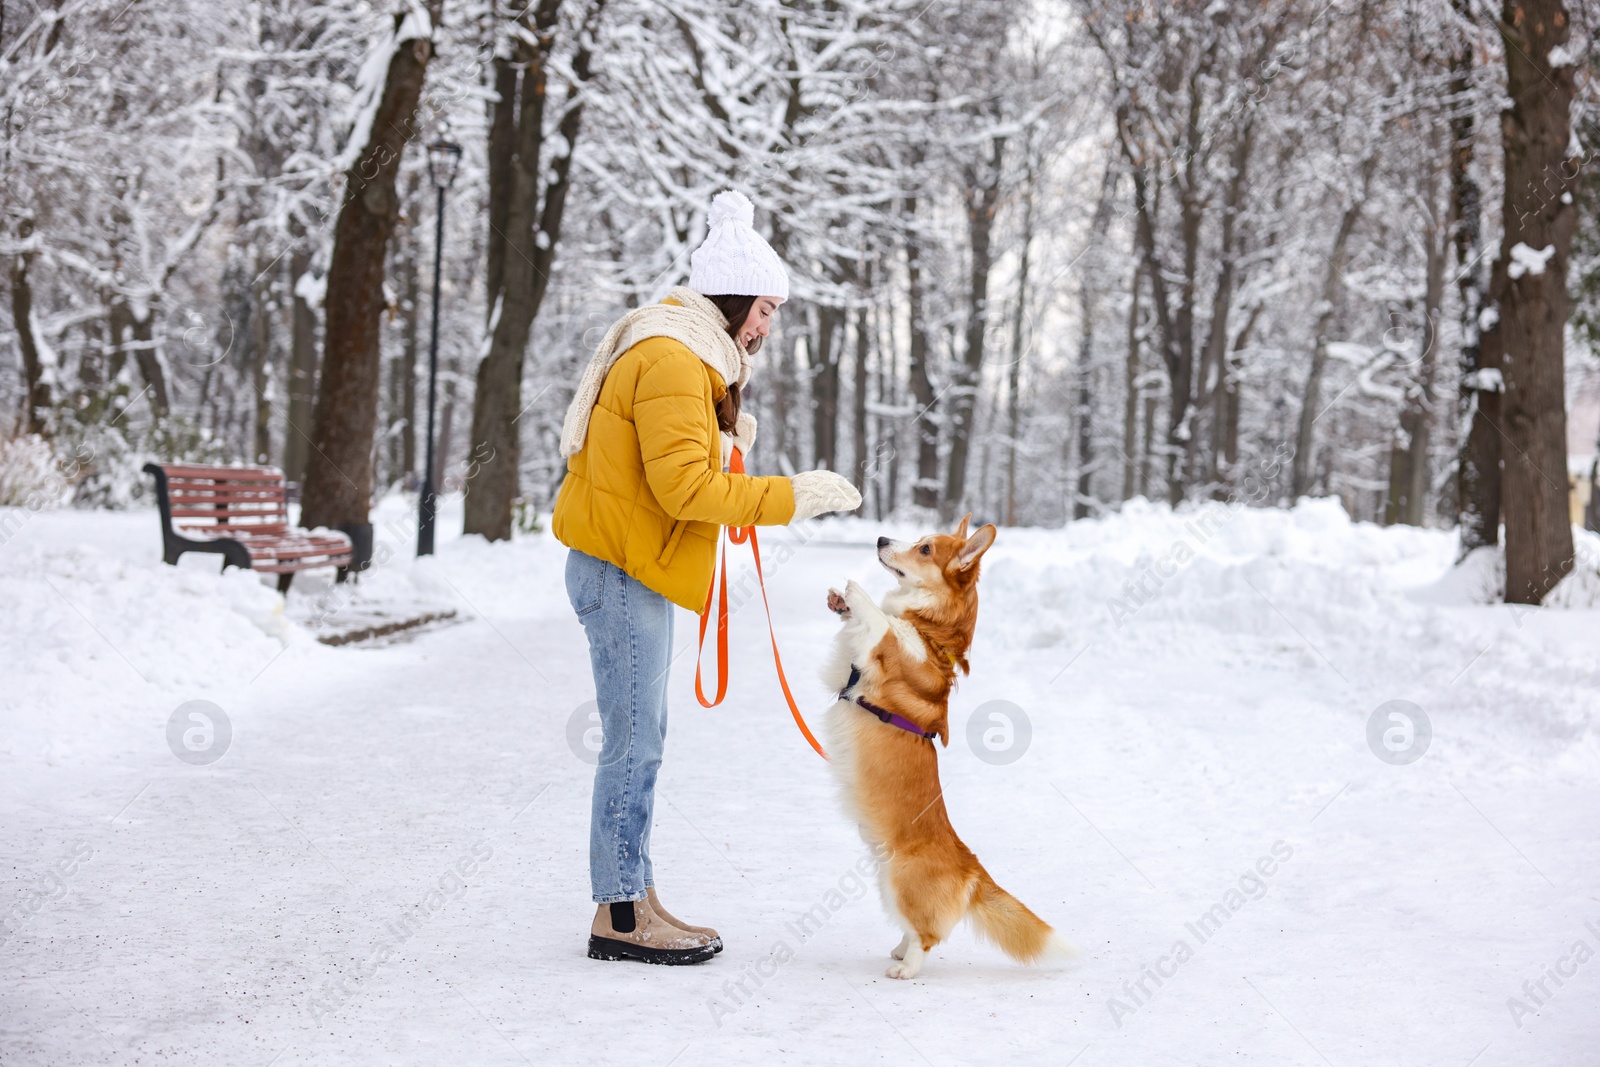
[734, 259]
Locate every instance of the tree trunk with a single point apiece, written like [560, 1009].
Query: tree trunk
[782, 391]
[1177, 358]
[1327, 315]
[338, 486]
[1186, 158]
[858, 410]
[1481, 474]
[1228, 412]
[1081, 495]
[1019, 350]
[527, 255]
[1539, 220]
[1147, 453]
[1180, 431]
[1591, 514]
[502, 151]
[402, 432]
[1214, 376]
[151, 368]
[826, 351]
[1409, 479]
[886, 386]
[302, 376]
[982, 196]
[410, 352]
[1088, 302]
[1478, 463]
[261, 363]
[1130, 408]
[1083, 407]
[133, 330]
[36, 383]
[984, 504]
[925, 490]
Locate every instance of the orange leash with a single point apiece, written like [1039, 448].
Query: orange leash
[722, 636]
[739, 535]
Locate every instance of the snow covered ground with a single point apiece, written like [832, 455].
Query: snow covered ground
[387, 862]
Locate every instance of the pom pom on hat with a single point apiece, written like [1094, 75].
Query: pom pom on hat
[734, 259]
[731, 206]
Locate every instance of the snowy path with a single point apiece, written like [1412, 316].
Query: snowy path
[162, 912]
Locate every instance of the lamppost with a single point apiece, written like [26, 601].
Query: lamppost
[443, 158]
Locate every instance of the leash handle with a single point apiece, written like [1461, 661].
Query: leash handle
[739, 535]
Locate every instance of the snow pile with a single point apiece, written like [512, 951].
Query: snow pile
[1581, 588]
[1301, 592]
[110, 639]
[1481, 577]
[98, 646]
[1215, 565]
[1199, 578]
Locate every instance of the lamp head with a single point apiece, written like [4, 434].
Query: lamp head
[443, 158]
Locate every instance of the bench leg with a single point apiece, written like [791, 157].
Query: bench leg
[283, 582]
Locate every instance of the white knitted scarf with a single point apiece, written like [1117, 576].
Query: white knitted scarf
[694, 322]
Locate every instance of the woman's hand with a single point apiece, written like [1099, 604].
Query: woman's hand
[743, 438]
[818, 492]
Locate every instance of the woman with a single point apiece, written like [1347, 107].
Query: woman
[642, 508]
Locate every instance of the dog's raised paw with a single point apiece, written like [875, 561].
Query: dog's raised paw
[856, 597]
[836, 603]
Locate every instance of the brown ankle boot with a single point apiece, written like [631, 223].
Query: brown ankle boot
[631, 930]
[655, 904]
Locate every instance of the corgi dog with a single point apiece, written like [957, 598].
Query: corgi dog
[893, 667]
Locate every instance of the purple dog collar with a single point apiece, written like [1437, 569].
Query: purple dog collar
[895, 720]
[882, 713]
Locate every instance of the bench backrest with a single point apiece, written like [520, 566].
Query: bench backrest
[225, 500]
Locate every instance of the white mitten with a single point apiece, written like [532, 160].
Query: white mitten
[818, 492]
[743, 438]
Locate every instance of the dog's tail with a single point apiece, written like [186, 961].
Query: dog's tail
[1005, 920]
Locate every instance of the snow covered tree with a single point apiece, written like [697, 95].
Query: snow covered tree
[1045, 258]
[530, 166]
[339, 475]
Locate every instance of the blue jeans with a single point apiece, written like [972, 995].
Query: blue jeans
[630, 649]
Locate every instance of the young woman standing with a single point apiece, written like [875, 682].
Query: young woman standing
[645, 497]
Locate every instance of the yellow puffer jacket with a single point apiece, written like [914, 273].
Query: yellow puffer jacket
[648, 492]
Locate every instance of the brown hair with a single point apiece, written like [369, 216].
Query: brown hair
[735, 308]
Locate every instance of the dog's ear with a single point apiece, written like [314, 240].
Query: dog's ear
[961, 531]
[975, 547]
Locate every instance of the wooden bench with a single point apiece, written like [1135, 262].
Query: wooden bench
[240, 513]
